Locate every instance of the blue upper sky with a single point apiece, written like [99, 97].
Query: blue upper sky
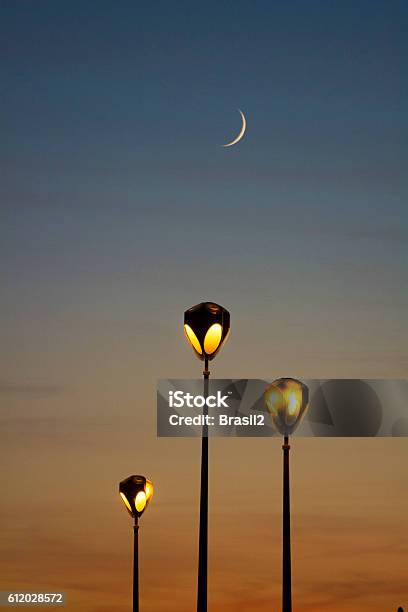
[113, 175]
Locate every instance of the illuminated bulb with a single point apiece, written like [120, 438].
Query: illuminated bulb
[125, 501]
[287, 400]
[212, 338]
[140, 501]
[206, 327]
[192, 338]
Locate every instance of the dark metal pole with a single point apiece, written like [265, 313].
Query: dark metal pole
[203, 537]
[286, 560]
[136, 566]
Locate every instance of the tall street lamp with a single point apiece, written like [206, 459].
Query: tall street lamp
[287, 400]
[136, 493]
[206, 327]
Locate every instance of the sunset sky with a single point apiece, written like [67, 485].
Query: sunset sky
[119, 209]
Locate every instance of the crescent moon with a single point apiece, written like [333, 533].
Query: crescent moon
[241, 134]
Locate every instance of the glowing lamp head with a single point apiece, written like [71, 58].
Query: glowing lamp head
[136, 493]
[287, 400]
[206, 327]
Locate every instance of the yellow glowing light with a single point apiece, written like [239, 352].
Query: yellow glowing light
[293, 403]
[212, 338]
[192, 338]
[125, 501]
[287, 400]
[274, 400]
[140, 501]
[149, 491]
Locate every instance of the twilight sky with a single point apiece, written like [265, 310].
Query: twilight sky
[119, 209]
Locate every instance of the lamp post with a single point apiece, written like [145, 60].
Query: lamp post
[287, 400]
[136, 493]
[206, 327]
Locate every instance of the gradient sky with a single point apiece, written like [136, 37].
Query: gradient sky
[119, 209]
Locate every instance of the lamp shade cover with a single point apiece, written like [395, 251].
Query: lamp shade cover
[136, 493]
[206, 326]
[286, 400]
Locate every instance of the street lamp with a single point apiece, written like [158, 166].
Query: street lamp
[136, 493]
[287, 400]
[206, 327]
